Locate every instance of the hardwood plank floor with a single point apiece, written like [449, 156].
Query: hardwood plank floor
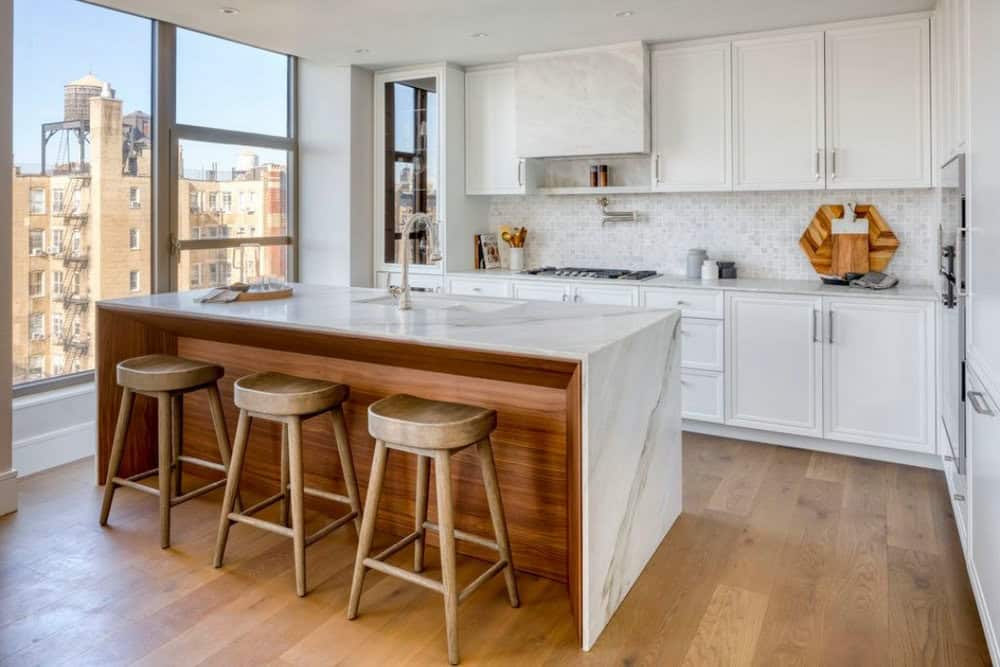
[782, 557]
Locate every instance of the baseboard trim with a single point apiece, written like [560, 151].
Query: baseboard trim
[816, 444]
[55, 448]
[8, 492]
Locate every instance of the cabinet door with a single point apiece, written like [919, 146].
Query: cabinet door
[773, 363]
[539, 291]
[984, 485]
[778, 112]
[702, 344]
[692, 127]
[702, 395]
[606, 294]
[878, 105]
[474, 287]
[491, 164]
[878, 371]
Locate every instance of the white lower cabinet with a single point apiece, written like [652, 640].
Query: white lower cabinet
[984, 486]
[702, 395]
[702, 344]
[608, 295]
[478, 287]
[773, 370]
[540, 291]
[878, 372]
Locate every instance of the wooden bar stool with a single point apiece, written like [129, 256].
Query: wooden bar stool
[166, 378]
[433, 430]
[288, 400]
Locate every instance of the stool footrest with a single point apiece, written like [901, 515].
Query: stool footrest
[402, 544]
[406, 575]
[284, 530]
[327, 495]
[267, 502]
[211, 465]
[330, 527]
[260, 523]
[482, 579]
[200, 491]
[132, 483]
[465, 537]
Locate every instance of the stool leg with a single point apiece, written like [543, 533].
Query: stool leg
[117, 449]
[163, 412]
[232, 484]
[499, 520]
[446, 522]
[298, 502]
[368, 525]
[420, 515]
[177, 439]
[284, 475]
[347, 462]
[221, 432]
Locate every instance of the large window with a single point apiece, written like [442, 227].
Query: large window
[82, 96]
[229, 182]
[233, 151]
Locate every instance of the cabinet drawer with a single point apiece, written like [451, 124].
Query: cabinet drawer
[702, 344]
[702, 395]
[472, 287]
[420, 281]
[705, 303]
[606, 295]
[539, 291]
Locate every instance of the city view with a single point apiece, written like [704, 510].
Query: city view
[82, 225]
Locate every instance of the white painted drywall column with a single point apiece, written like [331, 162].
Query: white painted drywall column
[8, 476]
[335, 174]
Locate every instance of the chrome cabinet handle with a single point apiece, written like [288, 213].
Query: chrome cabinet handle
[656, 167]
[576, 298]
[959, 497]
[819, 151]
[814, 336]
[833, 172]
[520, 172]
[565, 298]
[830, 328]
[979, 403]
[682, 303]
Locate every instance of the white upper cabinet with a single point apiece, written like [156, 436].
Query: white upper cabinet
[878, 373]
[878, 105]
[691, 111]
[778, 112]
[491, 163]
[951, 70]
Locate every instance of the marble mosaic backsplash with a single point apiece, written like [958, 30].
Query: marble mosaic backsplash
[758, 230]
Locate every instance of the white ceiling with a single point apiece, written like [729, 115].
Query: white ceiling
[414, 31]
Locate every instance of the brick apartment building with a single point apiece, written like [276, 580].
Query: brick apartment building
[81, 229]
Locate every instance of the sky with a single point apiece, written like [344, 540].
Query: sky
[220, 83]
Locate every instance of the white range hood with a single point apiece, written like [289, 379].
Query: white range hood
[583, 102]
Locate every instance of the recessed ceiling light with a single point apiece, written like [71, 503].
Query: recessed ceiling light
[479, 35]
[362, 51]
[229, 11]
[625, 13]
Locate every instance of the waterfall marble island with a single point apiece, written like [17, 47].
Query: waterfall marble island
[588, 448]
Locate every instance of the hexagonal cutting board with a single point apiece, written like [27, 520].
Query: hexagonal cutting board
[819, 242]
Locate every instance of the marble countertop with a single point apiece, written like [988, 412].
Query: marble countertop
[812, 287]
[569, 331]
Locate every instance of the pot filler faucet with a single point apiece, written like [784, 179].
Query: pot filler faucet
[403, 291]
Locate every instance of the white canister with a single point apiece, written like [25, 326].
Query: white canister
[516, 259]
[709, 270]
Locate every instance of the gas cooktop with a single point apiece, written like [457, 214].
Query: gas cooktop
[593, 274]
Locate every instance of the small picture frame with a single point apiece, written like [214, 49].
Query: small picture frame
[490, 250]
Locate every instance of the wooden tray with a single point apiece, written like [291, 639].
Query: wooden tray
[817, 241]
[282, 293]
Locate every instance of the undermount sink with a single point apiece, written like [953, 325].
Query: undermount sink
[422, 302]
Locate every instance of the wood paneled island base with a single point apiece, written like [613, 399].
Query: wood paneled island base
[536, 444]
[588, 447]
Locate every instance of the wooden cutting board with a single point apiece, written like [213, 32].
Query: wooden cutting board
[837, 254]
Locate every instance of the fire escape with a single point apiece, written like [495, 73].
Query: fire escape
[76, 289]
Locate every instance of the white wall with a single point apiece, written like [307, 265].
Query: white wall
[335, 174]
[8, 476]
